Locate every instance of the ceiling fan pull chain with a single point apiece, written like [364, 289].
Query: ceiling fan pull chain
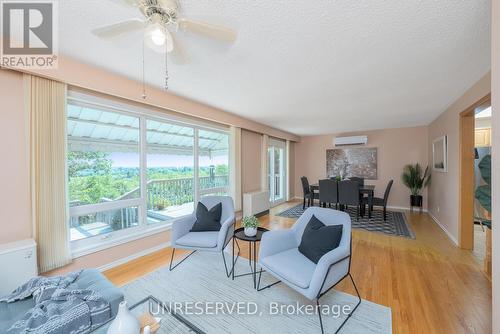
[143, 71]
[166, 66]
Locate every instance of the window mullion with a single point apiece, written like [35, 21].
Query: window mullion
[143, 171]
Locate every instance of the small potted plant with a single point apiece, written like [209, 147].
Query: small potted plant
[414, 179]
[250, 224]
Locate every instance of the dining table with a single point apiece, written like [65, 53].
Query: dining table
[368, 189]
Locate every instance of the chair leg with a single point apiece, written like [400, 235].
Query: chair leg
[304, 204]
[267, 286]
[319, 314]
[172, 259]
[385, 213]
[348, 316]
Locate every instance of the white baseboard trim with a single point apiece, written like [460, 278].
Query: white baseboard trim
[448, 234]
[133, 256]
[405, 208]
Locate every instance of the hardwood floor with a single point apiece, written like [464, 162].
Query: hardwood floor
[431, 285]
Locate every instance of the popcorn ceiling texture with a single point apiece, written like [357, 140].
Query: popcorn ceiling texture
[308, 67]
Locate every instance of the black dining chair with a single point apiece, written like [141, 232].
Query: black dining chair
[328, 192]
[349, 195]
[309, 195]
[360, 180]
[381, 202]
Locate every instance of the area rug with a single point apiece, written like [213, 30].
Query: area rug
[395, 224]
[201, 278]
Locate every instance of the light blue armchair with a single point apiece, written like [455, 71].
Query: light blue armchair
[204, 241]
[280, 257]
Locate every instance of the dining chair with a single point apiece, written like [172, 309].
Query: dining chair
[381, 202]
[349, 195]
[360, 180]
[328, 192]
[309, 195]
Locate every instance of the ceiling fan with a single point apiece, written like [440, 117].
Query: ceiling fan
[161, 20]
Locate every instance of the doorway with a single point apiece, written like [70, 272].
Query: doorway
[475, 143]
[276, 171]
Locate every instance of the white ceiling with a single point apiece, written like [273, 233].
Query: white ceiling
[307, 66]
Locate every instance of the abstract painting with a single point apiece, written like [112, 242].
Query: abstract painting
[349, 162]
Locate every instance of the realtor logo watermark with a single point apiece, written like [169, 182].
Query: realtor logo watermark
[29, 34]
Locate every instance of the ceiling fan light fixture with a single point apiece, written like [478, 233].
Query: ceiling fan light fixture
[156, 33]
[158, 37]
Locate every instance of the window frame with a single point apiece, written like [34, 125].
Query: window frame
[96, 243]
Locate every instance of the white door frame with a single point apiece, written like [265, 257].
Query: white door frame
[274, 143]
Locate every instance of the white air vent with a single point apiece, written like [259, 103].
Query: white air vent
[354, 140]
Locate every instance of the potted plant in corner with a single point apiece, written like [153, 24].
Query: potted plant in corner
[415, 180]
[250, 224]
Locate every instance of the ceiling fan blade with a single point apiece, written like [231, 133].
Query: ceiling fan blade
[119, 28]
[207, 30]
[178, 54]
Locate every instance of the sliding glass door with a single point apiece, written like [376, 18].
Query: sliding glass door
[276, 171]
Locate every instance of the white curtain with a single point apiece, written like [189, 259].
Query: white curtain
[47, 107]
[235, 167]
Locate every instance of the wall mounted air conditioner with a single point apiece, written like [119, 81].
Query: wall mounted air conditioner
[353, 140]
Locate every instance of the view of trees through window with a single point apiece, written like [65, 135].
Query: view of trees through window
[104, 170]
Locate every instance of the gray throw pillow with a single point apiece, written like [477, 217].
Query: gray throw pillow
[207, 220]
[318, 239]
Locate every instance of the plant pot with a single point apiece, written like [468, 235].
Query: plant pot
[125, 322]
[250, 231]
[416, 200]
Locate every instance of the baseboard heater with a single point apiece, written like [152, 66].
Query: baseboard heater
[256, 203]
[18, 263]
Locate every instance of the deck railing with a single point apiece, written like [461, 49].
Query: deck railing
[160, 195]
[168, 192]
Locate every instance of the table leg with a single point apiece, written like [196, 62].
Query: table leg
[250, 254]
[255, 265]
[370, 205]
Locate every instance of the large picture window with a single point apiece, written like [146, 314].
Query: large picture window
[130, 172]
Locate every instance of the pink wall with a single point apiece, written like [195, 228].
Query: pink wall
[395, 149]
[250, 160]
[496, 162]
[444, 192]
[15, 215]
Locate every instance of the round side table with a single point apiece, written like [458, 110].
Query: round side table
[252, 249]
